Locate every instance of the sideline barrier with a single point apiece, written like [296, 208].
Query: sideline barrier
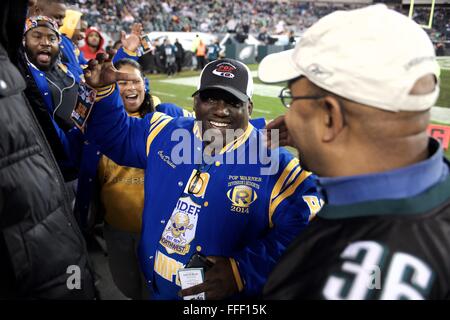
[242, 52]
[250, 54]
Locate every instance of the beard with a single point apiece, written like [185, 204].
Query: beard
[43, 67]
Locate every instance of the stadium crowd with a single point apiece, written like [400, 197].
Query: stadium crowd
[221, 16]
[217, 16]
[85, 144]
[440, 31]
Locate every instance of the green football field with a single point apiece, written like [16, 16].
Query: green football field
[179, 89]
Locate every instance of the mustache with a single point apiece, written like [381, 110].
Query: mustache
[32, 56]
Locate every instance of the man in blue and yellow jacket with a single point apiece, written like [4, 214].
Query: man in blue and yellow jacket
[224, 199]
[52, 89]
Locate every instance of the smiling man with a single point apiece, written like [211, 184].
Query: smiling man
[223, 100]
[225, 209]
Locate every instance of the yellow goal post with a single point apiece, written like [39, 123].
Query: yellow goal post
[430, 19]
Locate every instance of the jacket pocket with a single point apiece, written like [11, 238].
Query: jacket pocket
[20, 257]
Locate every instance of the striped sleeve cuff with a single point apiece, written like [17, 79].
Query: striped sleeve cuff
[104, 92]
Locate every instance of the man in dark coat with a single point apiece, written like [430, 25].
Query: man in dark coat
[42, 252]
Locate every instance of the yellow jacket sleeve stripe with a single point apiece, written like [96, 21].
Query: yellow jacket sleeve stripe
[288, 192]
[280, 182]
[156, 116]
[104, 92]
[294, 174]
[158, 121]
[154, 132]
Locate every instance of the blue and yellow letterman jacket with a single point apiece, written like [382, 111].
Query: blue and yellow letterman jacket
[215, 207]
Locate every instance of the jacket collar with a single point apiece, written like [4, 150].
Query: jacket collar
[233, 145]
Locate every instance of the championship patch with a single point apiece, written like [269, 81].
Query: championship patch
[242, 192]
[242, 196]
[180, 229]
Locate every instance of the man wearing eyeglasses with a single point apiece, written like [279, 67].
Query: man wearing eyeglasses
[359, 100]
[203, 192]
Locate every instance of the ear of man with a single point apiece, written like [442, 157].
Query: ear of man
[195, 102]
[424, 85]
[250, 107]
[333, 118]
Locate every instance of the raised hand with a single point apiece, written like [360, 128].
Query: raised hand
[101, 73]
[132, 41]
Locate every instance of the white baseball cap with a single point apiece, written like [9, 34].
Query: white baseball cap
[372, 56]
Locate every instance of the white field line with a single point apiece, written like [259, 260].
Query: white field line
[262, 111]
[440, 114]
[190, 99]
[444, 62]
[259, 89]
[163, 93]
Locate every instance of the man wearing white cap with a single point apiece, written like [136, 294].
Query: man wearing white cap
[361, 84]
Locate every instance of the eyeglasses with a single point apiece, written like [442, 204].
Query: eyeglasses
[287, 99]
[197, 182]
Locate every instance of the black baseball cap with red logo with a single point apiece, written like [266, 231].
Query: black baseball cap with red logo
[229, 75]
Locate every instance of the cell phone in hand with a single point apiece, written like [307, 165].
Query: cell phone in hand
[199, 260]
[146, 43]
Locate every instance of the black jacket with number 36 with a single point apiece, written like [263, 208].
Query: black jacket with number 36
[390, 249]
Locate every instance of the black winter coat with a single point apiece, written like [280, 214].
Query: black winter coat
[42, 251]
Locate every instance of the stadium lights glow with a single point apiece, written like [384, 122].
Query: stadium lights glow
[430, 20]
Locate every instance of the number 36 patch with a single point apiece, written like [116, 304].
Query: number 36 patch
[359, 277]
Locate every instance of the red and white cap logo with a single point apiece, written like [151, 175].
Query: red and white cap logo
[225, 70]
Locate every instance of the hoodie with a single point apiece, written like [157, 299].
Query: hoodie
[86, 50]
